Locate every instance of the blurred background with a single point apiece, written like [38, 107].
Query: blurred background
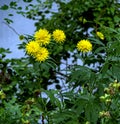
[8, 37]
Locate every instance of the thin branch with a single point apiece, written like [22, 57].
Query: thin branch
[42, 119]
[12, 28]
[64, 75]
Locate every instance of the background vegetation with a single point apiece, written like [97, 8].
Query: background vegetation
[85, 86]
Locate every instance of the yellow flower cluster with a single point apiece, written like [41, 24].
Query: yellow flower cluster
[39, 53]
[42, 38]
[84, 46]
[35, 48]
[59, 36]
[100, 35]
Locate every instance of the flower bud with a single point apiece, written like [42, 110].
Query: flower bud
[102, 98]
[106, 90]
[25, 121]
[2, 95]
[108, 101]
[118, 86]
[104, 114]
[21, 37]
[87, 122]
[101, 114]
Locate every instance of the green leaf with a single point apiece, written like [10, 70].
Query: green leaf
[10, 14]
[2, 50]
[99, 49]
[27, 0]
[19, 8]
[80, 74]
[91, 112]
[13, 4]
[96, 41]
[4, 7]
[8, 20]
[54, 100]
[115, 71]
[105, 68]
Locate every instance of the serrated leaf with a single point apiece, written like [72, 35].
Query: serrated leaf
[91, 112]
[96, 41]
[99, 49]
[80, 74]
[105, 68]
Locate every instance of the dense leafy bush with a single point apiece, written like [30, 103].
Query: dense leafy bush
[72, 81]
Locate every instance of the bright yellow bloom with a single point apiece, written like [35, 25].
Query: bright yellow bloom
[42, 37]
[100, 35]
[32, 47]
[59, 36]
[42, 54]
[84, 46]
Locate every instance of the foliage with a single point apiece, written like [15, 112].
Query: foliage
[69, 87]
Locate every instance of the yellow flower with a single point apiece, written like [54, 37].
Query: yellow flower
[84, 46]
[59, 36]
[42, 54]
[42, 37]
[32, 47]
[100, 35]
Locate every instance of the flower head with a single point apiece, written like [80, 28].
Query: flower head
[84, 46]
[42, 37]
[100, 35]
[59, 36]
[42, 54]
[32, 47]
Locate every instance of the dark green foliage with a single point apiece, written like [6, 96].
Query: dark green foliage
[63, 90]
